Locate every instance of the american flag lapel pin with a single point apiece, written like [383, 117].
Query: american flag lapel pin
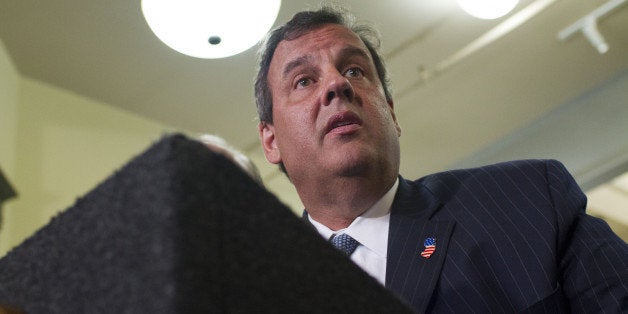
[430, 247]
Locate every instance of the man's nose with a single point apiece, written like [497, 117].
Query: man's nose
[338, 86]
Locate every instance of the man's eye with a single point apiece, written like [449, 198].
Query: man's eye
[354, 72]
[303, 82]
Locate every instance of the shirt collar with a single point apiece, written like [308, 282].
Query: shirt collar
[370, 228]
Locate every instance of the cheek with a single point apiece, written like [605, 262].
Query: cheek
[291, 127]
[300, 96]
[380, 107]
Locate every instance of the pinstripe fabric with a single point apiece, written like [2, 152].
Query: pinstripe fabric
[511, 237]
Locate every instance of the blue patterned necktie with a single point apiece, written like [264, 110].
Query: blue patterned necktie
[345, 243]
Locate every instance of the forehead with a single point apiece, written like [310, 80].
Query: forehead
[329, 37]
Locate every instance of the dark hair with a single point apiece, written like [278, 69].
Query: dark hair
[300, 24]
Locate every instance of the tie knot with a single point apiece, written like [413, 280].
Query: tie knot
[345, 243]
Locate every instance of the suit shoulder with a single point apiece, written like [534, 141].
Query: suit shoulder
[516, 173]
[517, 165]
[507, 167]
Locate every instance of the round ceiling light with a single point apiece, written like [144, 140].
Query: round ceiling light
[210, 28]
[487, 9]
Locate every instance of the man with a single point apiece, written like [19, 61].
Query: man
[504, 238]
[220, 146]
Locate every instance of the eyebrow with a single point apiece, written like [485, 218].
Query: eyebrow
[354, 51]
[345, 53]
[295, 64]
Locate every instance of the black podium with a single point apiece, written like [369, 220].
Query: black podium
[180, 229]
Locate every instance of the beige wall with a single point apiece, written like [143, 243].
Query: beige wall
[56, 146]
[9, 80]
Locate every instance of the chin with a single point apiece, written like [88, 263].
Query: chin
[356, 166]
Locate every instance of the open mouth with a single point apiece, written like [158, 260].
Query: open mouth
[343, 122]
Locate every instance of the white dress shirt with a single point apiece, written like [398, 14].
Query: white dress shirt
[371, 230]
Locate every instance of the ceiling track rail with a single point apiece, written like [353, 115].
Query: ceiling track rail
[484, 40]
[588, 25]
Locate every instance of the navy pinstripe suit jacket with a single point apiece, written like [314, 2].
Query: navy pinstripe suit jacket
[511, 237]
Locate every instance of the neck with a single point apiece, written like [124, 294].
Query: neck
[337, 203]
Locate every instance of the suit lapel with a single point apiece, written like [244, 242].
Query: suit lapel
[412, 276]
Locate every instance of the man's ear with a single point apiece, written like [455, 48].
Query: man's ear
[269, 143]
[392, 113]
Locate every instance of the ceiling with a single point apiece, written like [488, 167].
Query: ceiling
[448, 107]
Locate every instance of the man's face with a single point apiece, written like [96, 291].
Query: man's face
[330, 114]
